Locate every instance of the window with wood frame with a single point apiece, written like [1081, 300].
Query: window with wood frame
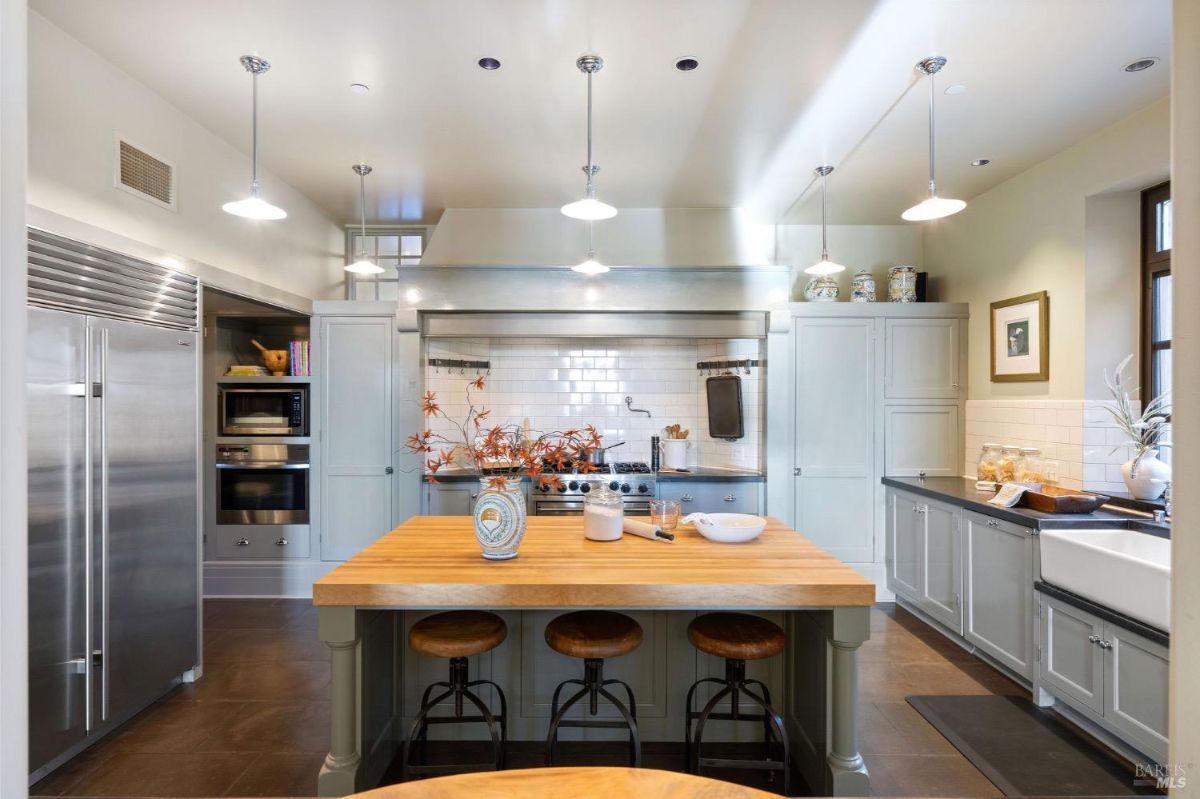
[1156, 290]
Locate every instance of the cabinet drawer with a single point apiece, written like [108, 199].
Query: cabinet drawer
[263, 544]
[712, 497]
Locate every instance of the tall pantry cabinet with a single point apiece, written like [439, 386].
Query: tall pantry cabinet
[878, 389]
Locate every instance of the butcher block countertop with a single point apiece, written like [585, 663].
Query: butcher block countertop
[435, 562]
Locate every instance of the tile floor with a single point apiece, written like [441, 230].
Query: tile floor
[257, 724]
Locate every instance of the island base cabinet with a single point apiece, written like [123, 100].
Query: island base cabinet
[998, 590]
[1112, 675]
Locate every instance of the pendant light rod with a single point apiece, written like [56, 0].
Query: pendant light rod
[362, 170]
[931, 67]
[590, 65]
[255, 66]
[824, 172]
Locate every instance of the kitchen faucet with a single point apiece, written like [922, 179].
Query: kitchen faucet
[629, 405]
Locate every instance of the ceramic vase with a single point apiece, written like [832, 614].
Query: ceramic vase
[1148, 478]
[902, 284]
[862, 287]
[822, 289]
[500, 518]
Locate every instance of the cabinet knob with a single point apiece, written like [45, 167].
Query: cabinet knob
[243, 542]
[475, 495]
[686, 498]
[1106, 644]
[993, 523]
[281, 542]
[1095, 639]
[730, 498]
[388, 470]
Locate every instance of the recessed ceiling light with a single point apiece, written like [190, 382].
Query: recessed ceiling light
[981, 162]
[956, 88]
[1140, 64]
[686, 64]
[489, 63]
[359, 88]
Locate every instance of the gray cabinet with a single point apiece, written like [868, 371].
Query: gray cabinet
[924, 556]
[1099, 667]
[998, 590]
[922, 441]
[712, 496]
[451, 499]
[924, 359]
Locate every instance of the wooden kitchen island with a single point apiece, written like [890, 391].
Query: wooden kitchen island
[433, 563]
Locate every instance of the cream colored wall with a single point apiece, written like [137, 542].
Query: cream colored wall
[79, 103]
[1185, 267]
[1112, 286]
[1029, 234]
[873, 247]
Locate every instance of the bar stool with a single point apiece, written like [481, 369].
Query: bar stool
[737, 637]
[457, 635]
[594, 635]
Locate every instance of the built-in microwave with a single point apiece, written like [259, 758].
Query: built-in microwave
[263, 410]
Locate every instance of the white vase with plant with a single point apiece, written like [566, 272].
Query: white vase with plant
[1145, 475]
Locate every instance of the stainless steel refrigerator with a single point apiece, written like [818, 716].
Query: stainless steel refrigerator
[113, 505]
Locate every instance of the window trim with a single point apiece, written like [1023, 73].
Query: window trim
[1154, 264]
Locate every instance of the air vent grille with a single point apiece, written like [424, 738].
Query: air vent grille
[70, 275]
[145, 174]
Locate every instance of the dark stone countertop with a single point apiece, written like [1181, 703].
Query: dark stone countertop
[1103, 611]
[961, 491]
[697, 474]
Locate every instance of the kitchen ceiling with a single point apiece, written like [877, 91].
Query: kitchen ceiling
[782, 86]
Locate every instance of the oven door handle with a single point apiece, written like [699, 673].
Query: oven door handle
[263, 465]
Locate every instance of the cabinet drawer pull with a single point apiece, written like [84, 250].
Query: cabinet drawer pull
[730, 498]
[993, 523]
[686, 498]
[281, 542]
[243, 542]
[1095, 639]
[922, 509]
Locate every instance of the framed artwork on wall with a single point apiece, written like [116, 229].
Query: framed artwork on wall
[1021, 339]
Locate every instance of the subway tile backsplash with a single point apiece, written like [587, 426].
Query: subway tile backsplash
[560, 383]
[1079, 433]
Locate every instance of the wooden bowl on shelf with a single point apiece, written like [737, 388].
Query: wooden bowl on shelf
[276, 361]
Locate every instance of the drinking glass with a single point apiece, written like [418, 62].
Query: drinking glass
[665, 514]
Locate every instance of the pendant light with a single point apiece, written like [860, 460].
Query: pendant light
[364, 265]
[824, 266]
[591, 266]
[934, 207]
[589, 208]
[254, 207]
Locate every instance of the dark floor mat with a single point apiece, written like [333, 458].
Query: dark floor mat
[1025, 750]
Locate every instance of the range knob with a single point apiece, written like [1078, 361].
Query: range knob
[643, 488]
[585, 487]
[545, 488]
[573, 485]
[562, 489]
[625, 488]
[614, 485]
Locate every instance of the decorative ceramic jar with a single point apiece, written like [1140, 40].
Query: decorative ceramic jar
[500, 518]
[1147, 477]
[902, 284]
[862, 287]
[822, 289]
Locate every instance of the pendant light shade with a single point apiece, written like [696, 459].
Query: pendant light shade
[934, 207]
[590, 266]
[364, 265]
[254, 207]
[589, 208]
[824, 266]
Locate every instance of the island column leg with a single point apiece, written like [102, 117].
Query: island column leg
[847, 771]
[338, 628]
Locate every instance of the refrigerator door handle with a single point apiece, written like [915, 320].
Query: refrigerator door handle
[88, 530]
[103, 653]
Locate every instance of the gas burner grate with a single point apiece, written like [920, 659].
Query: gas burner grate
[632, 467]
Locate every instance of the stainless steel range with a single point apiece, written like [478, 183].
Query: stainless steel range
[635, 480]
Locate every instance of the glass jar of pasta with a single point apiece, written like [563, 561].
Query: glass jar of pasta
[1006, 467]
[1030, 468]
[987, 471]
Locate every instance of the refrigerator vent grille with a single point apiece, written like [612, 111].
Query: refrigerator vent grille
[73, 276]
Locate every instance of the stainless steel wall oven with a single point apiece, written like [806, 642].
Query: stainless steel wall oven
[262, 484]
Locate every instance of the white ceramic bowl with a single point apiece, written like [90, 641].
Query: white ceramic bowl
[730, 528]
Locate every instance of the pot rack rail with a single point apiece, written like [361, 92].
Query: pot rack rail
[451, 364]
[745, 364]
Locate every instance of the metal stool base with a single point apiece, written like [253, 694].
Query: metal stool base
[734, 687]
[593, 686]
[457, 688]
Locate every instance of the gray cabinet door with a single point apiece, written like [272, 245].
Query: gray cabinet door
[941, 590]
[998, 590]
[355, 370]
[923, 359]
[1135, 689]
[905, 545]
[1072, 662]
[451, 499]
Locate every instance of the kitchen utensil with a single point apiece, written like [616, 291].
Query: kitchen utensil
[727, 528]
[674, 452]
[275, 360]
[665, 513]
[1052, 499]
[645, 530]
[655, 454]
[597, 457]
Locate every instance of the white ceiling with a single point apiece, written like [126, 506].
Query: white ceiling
[783, 86]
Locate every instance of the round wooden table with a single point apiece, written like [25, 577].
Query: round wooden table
[568, 783]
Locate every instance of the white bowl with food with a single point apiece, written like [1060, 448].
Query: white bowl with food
[727, 528]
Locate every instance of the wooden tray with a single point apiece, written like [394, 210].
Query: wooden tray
[1052, 499]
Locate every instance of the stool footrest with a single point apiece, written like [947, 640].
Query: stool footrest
[616, 725]
[723, 762]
